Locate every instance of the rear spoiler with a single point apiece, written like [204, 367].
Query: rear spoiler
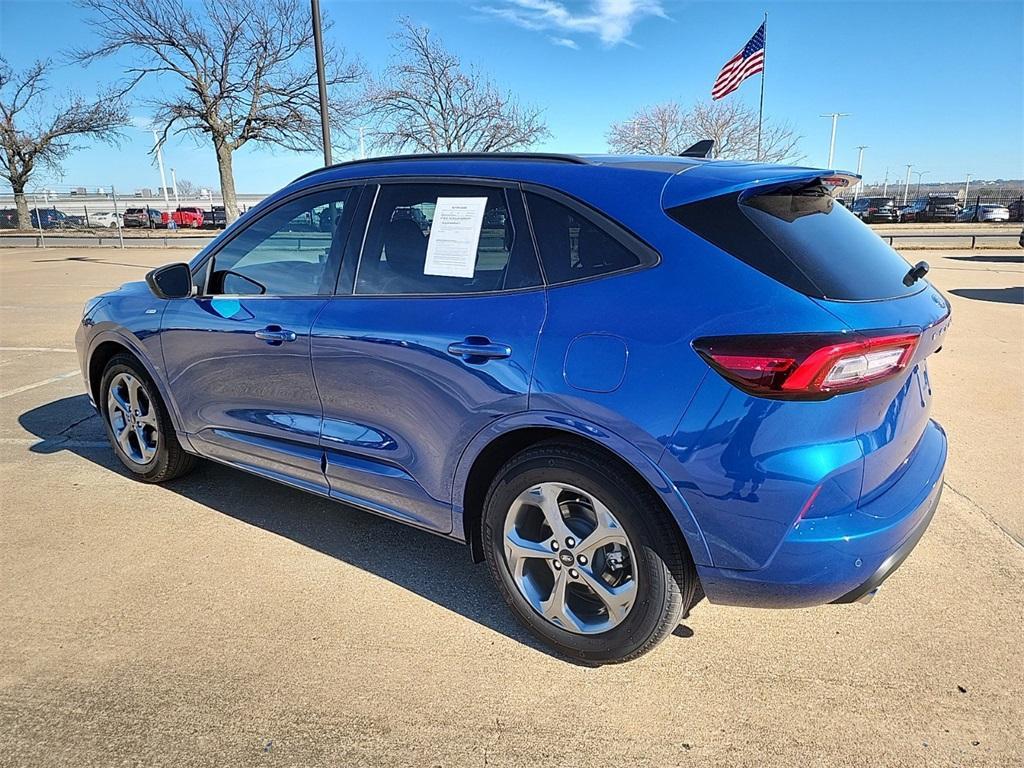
[716, 178]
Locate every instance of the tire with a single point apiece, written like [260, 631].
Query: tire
[150, 449]
[647, 548]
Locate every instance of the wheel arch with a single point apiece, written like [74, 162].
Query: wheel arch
[103, 348]
[492, 447]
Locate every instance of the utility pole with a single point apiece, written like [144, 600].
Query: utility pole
[967, 187]
[318, 44]
[885, 185]
[832, 142]
[906, 184]
[160, 165]
[860, 162]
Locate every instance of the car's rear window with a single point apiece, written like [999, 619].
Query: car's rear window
[880, 201]
[802, 238]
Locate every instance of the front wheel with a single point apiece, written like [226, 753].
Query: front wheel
[584, 554]
[138, 426]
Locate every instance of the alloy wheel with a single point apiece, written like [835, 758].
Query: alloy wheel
[570, 558]
[133, 418]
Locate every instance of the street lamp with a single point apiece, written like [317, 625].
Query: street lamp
[157, 144]
[832, 142]
[860, 162]
[919, 174]
[967, 187]
[906, 184]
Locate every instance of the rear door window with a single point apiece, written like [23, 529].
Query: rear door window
[803, 238]
[438, 238]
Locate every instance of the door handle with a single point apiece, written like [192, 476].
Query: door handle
[479, 347]
[275, 334]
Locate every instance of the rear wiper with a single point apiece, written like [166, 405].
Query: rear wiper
[916, 272]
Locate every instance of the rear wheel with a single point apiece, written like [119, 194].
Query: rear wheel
[584, 554]
[139, 429]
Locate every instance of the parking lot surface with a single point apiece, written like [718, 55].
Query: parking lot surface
[225, 620]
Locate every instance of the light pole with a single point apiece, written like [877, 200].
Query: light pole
[160, 165]
[885, 185]
[967, 187]
[174, 185]
[860, 162]
[318, 44]
[832, 142]
[906, 184]
[919, 174]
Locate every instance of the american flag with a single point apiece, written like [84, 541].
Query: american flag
[747, 62]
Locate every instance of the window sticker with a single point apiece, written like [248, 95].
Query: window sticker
[454, 236]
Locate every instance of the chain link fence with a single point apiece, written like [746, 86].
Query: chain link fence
[105, 209]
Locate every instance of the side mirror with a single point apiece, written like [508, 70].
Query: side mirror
[173, 281]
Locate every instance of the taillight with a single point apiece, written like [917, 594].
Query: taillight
[808, 366]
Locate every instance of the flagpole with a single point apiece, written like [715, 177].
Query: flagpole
[764, 65]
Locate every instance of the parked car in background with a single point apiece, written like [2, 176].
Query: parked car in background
[1016, 209]
[184, 217]
[567, 378]
[8, 218]
[51, 218]
[215, 218]
[143, 217]
[939, 206]
[103, 219]
[984, 212]
[910, 211]
[872, 209]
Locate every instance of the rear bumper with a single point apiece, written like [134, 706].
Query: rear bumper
[843, 558]
[867, 590]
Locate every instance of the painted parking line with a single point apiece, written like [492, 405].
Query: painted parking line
[35, 349]
[43, 383]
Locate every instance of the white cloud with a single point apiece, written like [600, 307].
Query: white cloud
[565, 42]
[611, 21]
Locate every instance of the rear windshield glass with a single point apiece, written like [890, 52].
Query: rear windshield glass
[804, 239]
[880, 201]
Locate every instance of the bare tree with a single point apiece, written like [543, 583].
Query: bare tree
[426, 102]
[244, 71]
[656, 130]
[188, 189]
[667, 129]
[31, 137]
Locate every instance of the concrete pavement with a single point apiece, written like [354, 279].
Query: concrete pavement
[225, 620]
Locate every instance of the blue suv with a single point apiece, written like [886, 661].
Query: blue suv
[624, 382]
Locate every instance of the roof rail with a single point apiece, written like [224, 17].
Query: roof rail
[542, 156]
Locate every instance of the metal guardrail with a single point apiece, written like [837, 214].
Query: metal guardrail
[957, 235]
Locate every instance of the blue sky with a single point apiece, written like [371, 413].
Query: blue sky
[936, 84]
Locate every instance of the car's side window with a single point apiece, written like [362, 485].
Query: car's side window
[439, 238]
[293, 250]
[572, 246]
